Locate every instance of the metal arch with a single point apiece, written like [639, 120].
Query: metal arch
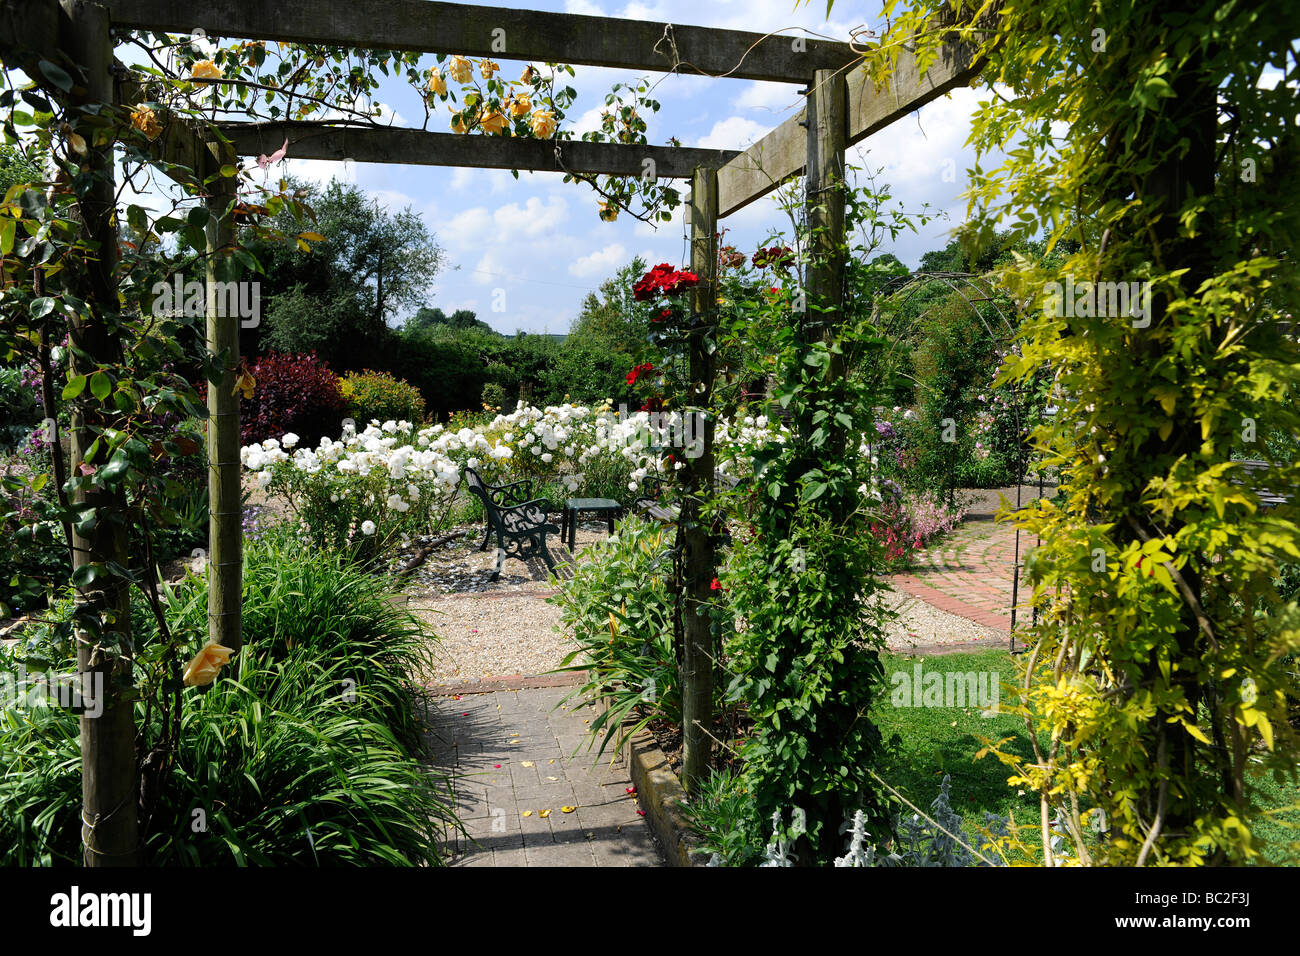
[907, 285]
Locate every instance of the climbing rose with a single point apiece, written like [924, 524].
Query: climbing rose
[207, 663]
[461, 70]
[437, 84]
[636, 372]
[664, 280]
[543, 123]
[494, 122]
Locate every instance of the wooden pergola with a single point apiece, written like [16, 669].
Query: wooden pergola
[843, 107]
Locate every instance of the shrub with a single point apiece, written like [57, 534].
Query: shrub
[377, 396]
[620, 611]
[291, 393]
[494, 396]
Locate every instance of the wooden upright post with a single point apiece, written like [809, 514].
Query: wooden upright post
[110, 831]
[699, 557]
[225, 531]
[827, 133]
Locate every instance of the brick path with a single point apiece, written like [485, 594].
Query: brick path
[970, 574]
[510, 751]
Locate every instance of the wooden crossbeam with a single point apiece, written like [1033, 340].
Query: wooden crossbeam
[472, 30]
[422, 148]
[783, 152]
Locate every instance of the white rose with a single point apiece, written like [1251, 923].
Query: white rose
[367, 527]
[547, 457]
[290, 439]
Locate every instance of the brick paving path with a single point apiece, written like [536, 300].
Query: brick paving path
[511, 752]
[970, 574]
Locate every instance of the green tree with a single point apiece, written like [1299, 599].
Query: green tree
[339, 296]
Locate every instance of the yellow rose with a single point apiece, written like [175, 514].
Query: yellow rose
[543, 123]
[488, 68]
[144, 119]
[519, 105]
[203, 669]
[528, 75]
[205, 70]
[494, 122]
[608, 211]
[461, 70]
[458, 123]
[437, 84]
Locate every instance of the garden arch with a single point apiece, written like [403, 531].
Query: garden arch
[972, 289]
[844, 106]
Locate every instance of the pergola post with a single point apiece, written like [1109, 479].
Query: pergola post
[827, 135]
[225, 531]
[110, 831]
[699, 547]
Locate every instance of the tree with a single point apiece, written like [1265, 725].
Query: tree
[427, 318]
[338, 296]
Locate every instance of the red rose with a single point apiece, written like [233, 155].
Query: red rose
[715, 585]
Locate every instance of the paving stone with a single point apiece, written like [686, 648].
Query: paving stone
[603, 829]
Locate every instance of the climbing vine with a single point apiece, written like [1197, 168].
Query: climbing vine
[1162, 140]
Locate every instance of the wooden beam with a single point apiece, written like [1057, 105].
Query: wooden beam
[422, 148]
[29, 33]
[782, 153]
[473, 30]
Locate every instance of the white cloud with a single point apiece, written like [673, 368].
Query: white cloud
[319, 170]
[583, 6]
[600, 263]
[490, 269]
[777, 98]
[469, 228]
[737, 132]
[533, 219]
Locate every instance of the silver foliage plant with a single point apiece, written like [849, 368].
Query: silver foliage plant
[922, 841]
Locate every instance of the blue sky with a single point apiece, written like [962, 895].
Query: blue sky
[539, 240]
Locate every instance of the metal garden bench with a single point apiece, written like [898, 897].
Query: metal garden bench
[521, 525]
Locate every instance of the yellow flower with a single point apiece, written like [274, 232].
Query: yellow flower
[437, 84]
[543, 123]
[205, 70]
[488, 68]
[608, 211]
[458, 123]
[461, 70]
[519, 105]
[146, 121]
[203, 669]
[528, 75]
[494, 122]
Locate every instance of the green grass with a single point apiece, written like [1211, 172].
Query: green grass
[933, 741]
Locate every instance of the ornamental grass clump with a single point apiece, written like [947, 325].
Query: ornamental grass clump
[305, 750]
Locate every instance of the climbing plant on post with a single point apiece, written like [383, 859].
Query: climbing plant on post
[699, 546]
[1157, 677]
[801, 574]
[100, 459]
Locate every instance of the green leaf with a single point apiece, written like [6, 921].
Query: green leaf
[84, 575]
[101, 385]
[76, 385]
[56, 75]
[42, 307]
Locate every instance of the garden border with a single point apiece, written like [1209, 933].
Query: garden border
[661, 795]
